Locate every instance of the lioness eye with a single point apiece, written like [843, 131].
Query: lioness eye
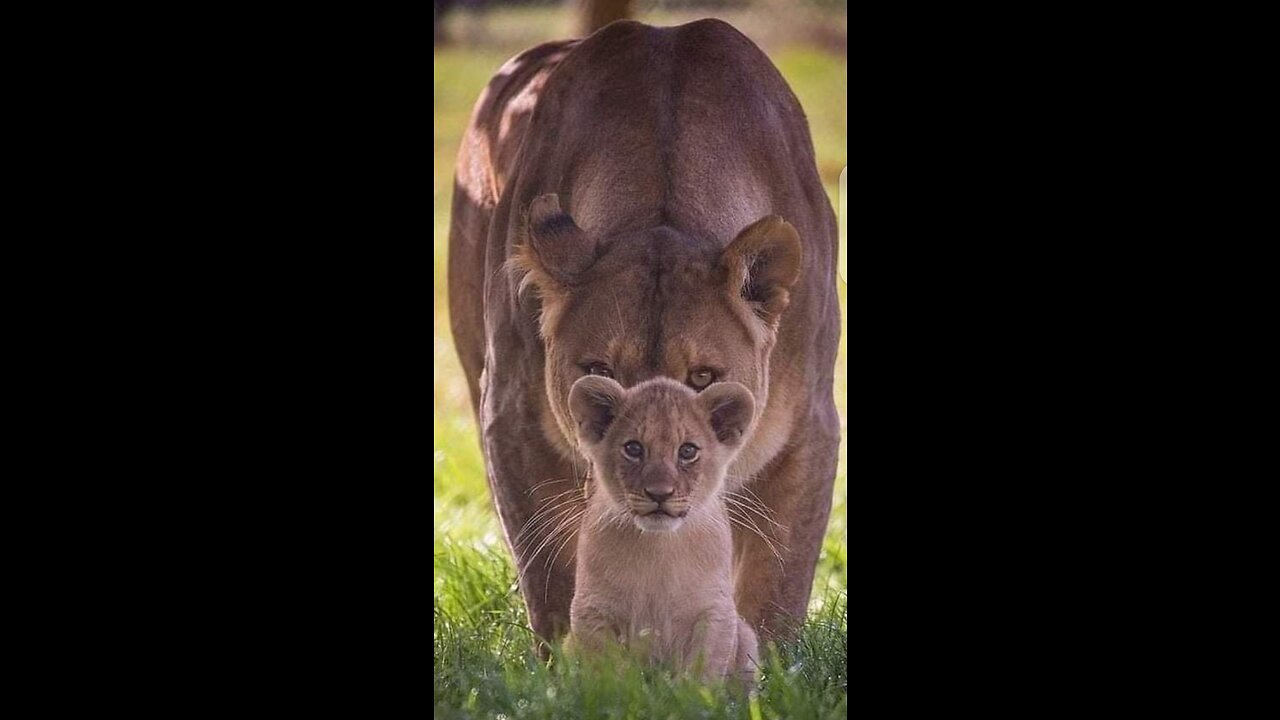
[701, 378]
[633, 450]
[688, 452]
[600, 369]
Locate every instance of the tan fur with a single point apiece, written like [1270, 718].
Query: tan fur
[646, 200]
[666, 593]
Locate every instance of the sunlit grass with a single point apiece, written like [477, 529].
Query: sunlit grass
[483, 667]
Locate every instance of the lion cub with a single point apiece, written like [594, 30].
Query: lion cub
[654, 549]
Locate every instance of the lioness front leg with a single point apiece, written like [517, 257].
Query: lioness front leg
[773, 580]
[536, 495]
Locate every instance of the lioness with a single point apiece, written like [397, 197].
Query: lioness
[638, 204]
[654, 547]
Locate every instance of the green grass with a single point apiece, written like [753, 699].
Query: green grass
[484, 667]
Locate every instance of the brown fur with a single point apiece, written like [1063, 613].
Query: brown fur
[655, 548]
[646, 201]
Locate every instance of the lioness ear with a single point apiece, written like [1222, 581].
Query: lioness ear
[731, 407]
[557, 250]
[593, 403]
[763, 262]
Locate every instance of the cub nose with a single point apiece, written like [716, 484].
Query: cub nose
[658, 493]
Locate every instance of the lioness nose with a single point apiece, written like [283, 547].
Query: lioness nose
[658, 493]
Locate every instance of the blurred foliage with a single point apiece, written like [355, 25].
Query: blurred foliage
[516, 25]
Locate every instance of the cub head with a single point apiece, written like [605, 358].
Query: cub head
[655, 303]
[659, 450]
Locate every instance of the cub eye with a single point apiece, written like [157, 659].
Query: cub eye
[701, 378]
[633, 450]
[599, 369]
[688, 452]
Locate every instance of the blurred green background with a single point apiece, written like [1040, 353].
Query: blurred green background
[479, 621]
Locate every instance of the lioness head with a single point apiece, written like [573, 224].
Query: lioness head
[659, 450]
[656, 303]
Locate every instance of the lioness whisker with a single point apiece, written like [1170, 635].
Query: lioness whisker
[570, 533]
[553, 521]
[745, 491]
[551, 499]
[552, 503]
[754, 503]
[755, 530]
[547, 513]
[745, 503]
[549, 505]
[567, 525]
[565, 520]
[774, 541]
[772, 550]
[537, 534]
[745, 506]
[569, 529]
[544, 483]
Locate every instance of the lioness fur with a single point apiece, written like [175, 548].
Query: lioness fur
[645, 203]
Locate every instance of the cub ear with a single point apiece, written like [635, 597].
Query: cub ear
[557, 250]
[731, 408]
[594, 402]
[763, 262]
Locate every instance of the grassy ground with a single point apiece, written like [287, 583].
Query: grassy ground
[483, 664]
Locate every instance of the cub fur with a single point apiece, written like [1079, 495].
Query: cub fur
[655, 547]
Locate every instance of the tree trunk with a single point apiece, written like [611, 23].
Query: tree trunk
[441, 7]
[598, 13]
